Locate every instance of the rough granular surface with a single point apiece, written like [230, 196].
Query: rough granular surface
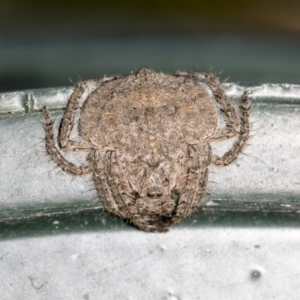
[147, 138]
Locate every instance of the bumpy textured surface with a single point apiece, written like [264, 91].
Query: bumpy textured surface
[147, 136]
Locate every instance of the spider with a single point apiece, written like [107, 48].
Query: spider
[147, 138]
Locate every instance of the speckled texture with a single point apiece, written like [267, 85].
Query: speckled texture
[147, 140]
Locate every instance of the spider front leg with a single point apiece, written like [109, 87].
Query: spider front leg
[196, 178]
[68, 120]
[55, 154]
[228, 111]
[243, 136]
[234, 125]
[104, 179]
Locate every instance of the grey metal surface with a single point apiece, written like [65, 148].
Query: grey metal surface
[57, 243]
[266, 176]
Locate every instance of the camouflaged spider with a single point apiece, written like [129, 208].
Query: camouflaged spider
[148, 141]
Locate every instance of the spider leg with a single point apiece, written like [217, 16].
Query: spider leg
[235, 125]
[55, 154]
[198, 177]
[68, 120]
[103, 188]
[139, 216]
[228, 111]
[196, 183]
[115, 199]
[193, 196]
[243, 136]
[108, 190]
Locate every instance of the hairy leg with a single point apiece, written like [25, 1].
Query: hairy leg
[228, 111]
[112, 199]
[117, 198]
[193, 195]
[55, 154]
[243, 136]
[68, 119]
[197, 178]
